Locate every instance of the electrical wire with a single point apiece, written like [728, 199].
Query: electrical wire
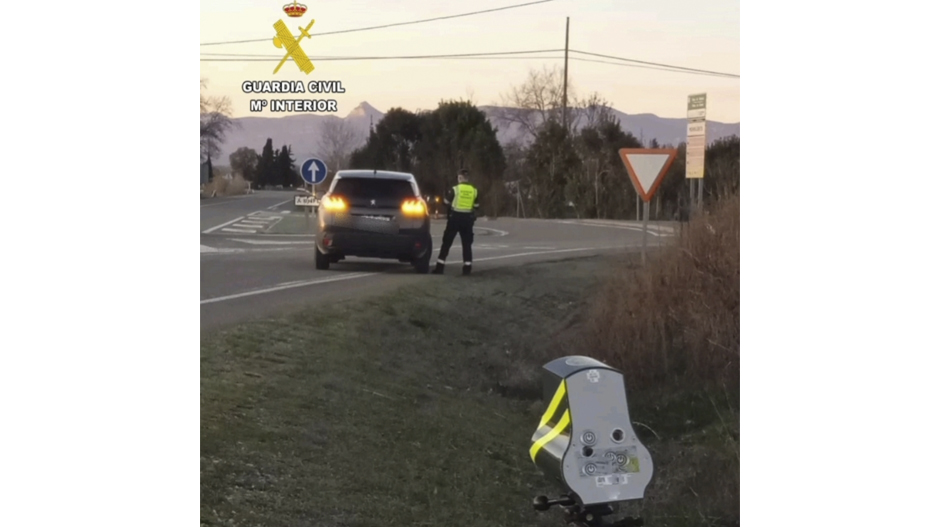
[640, 66]
[238, 57]
[384, 26]
[492, 54]
[681, 68]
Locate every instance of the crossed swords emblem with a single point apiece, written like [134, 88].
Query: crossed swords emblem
[285, 39]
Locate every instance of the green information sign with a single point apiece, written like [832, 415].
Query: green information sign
[697, 102]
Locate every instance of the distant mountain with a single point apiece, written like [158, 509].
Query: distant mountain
[302, 131]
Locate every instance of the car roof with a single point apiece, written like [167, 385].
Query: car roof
[375, 174]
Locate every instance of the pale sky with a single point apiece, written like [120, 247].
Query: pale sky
[688, 33]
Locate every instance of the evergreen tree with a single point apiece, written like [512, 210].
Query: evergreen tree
[266, 165]
[286, 170]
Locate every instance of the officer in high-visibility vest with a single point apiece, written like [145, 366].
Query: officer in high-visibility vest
[461, 215]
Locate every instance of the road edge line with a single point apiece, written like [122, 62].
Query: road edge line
[288, 285]
[552, 252]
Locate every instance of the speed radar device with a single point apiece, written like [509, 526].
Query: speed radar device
[586, 442]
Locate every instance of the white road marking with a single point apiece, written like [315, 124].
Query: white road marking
[288, 285]
[666, 229]
[218, 252]
[638, 228]
[226, 199]
[550, 252]
[217, 227]
[262, 216]
[250, 225]
[273, 242]
[651, 227]
[205, 249]
[289, 235]
[496, 231]
[295, 284]
[276, 205]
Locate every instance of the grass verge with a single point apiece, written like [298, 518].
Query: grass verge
[385, 411]
[416, 408]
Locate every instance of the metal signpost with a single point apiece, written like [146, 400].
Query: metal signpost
[695, 149]
[646, 167]
[313, 171]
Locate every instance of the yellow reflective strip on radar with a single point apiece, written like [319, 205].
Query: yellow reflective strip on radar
[562, 424]
[553, 406]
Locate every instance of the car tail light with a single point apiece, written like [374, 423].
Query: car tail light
[414, 207]
[333, 204]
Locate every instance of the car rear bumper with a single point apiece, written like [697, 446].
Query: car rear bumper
[410, 244]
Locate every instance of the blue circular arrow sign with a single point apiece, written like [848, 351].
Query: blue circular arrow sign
[313, 171]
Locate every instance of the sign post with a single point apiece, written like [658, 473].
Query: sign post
[313, 171]
[647, 167]
[695, 149]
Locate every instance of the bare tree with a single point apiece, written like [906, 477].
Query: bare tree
[537, 100]
[471, 94]
[592, 111]
[215, 119]
[337, 141]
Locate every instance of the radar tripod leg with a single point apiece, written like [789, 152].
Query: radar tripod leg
[578, 516]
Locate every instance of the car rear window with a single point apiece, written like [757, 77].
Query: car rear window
[373, 188]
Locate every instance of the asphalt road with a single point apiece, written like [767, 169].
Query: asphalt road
[246, 275]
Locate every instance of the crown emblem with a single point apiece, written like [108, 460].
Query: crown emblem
[295, 10]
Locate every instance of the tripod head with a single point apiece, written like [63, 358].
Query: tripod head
[577, 515]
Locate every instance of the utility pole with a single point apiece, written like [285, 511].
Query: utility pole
[564, 96]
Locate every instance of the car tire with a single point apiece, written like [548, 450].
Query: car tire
[423, 264]
[323, 261]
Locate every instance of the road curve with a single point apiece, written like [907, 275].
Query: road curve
[245, 275]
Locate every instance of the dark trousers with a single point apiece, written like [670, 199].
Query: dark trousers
[461, 224]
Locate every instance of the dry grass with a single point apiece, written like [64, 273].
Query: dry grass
[225, 187]
[678, 319]
[672, 328]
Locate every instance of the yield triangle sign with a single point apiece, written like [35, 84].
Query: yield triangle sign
[646, 167]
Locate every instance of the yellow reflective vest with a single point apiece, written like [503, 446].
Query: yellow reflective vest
[465, 198]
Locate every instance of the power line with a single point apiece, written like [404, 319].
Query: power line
[506, 55]
[401, 57]
[452, 55]
[386, 25]
[691, 70]
[392, 58]
[640, 66]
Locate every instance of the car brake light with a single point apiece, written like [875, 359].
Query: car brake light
[414, 207]
[331, 203]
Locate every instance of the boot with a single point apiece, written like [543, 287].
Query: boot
[466, 270]
[438, 269]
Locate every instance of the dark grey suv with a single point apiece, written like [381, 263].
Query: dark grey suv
[374, 214]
